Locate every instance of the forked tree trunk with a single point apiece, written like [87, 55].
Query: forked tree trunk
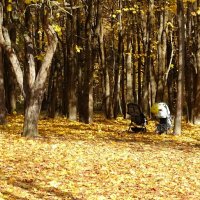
[35, 83]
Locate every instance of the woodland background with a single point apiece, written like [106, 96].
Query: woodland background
[74, 57]
[68, 70]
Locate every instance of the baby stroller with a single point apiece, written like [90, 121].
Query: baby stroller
[162, 113]
[138, 119]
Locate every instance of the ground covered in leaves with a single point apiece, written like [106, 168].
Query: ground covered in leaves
[100, 161]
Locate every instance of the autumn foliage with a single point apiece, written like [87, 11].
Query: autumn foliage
[73, 160]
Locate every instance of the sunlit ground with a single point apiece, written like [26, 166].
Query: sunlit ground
[100, 161]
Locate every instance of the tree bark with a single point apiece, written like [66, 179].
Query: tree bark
[129, 72]
[162, 48]
[118, 67]
[2, 91]
[31, 116]
[197, 55]
[148, 63]
[106, 79]
[6, 44]
[87, 114]
[36, 84]
[181, 64]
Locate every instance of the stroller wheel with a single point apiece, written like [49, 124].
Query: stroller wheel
[138, 129]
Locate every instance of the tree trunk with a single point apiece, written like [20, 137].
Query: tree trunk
[129, 72]
[133, 63]
[118, 67]
[87, 114]
[189, 68]
[6, 43]
[80, 68]
[10, 80]
[31, 116]
[197, 92]
[181, 64]
[2, 91]
[148, 63]
[162, 47]
[34, 83]
[52, 89]
[72, 86]
[139, 77]
[106, 79]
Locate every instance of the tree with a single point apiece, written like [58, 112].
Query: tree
[162, 48]
[2, 91]
[118, 65]
[35, 85]
[147, 99]
[197, 56]
[181, 64]
[72, 64]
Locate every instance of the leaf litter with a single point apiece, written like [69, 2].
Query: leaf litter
[72, 160]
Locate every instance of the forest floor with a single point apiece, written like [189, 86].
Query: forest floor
[99, 161]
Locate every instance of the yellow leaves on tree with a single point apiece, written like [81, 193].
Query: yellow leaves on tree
[78, 49]
[9, 7]
[40, 56]
[58, 29]
[31, 1]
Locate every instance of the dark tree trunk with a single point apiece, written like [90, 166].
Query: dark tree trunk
[123, 83]
[2, 91]
[197, 55]
[162, 47]
[148, 63]
[118, 66]
[52, 89]
[10, 80]
[189, 68]
[139, 67]
[72, 76]
[87, 114]
[181, 64]
[80, 68]
[10, 87]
